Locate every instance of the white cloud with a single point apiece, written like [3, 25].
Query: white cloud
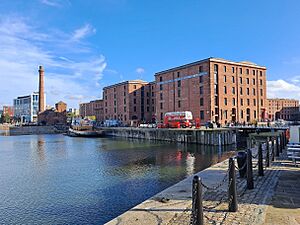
[282, 89]
[71, 68]
[140, 70]
[82, 32]
[55, 3]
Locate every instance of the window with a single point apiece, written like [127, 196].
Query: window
[134, 108]
[224, 78]
[179, 93]
[260, 82]
[233, 90]
[253, 91]
[253, 72]
[248, 101]
[179, 104]
[160, 87]
[254, 102]
[262, 102]
[124, 87]
[232, 69]
[134, 101]
[242, 102]
[261, 92]
[200, 69]
[254, 113]
[253, 81]
[216, 100]
[248, 91]
[215, 67]
[247, 80]
[201, 101]
[134, 86]
[225, 113]
[124, 100]
[201, 90]
[225, 69]
[148, 109]
[241, 71]
[160, 79]
[241, 80]
[247, 71]
[225, 101]
[161, 116]
[242, 114]
[233, 79]
[134, 93]
[225, 90]
[161, 96]
[161, 105]
[179, 83]
[201, 79]
[233, 101]
[178, 74]
[202, 115]
[260, 73]
[124, 108]
[241, 91]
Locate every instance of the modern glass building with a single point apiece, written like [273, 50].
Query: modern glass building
[26, 108]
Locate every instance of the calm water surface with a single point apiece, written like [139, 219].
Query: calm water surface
[55, 179]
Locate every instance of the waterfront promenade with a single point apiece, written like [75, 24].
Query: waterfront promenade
[274, 200]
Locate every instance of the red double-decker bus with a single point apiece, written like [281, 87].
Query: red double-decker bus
[178, 119]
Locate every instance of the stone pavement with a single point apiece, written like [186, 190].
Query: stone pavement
[274, 200]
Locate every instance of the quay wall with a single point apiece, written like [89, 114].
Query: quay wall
[27, 130]
[218, 136]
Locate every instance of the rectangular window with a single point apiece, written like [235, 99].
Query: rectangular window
[253, 72]
[248, 91]
[225, 69]
[201, 90]
[179, 83]
[247, 71]
[124, 108]
[241, 71]
[200, 69]
[134, 93]
[260, 82]
[242, 102]
[241, 80]
[261, 92]
[134, 101]
[225, 101]
[179, 93]
[248, 101]
[241, 91]
[179, 104]
[260, 73]
[242, 114]
[201, 115]
[178, 74]
[233, 79]
[254, 102]
[215, 67]
[254, 113]
[253, 81]
[262, 102]
[134, 108]
[224, 78]
[161, 96]
[201, 79]
[160, 87]
[232, 69]
[247, 80]
[201, 101]
[225, 90]
[161, 105]
[160, 79]
[253, 91]
[233, 101]
[233, 90]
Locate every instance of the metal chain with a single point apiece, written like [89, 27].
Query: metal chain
[243, 167]
[218, 185]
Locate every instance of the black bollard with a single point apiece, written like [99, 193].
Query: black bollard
[277, 147]
[268, 153]
[281, 142]
[260, 161]
[273, 150]
[197, 207]
[232, 198]
[250, 184]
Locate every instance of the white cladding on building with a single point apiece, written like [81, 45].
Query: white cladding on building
[26, 107]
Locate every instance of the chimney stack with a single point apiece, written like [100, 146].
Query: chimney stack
[41, 89]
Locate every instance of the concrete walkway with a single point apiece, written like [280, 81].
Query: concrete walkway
[274, 200]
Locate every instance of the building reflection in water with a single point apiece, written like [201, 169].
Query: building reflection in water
[41, 147]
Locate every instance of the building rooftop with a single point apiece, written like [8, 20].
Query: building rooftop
[213, 59]
[127, 82]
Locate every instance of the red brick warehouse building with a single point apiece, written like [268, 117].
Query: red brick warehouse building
[213, 89]
[130, 102]
[286, 109]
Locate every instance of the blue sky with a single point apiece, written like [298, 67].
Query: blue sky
[85, 45]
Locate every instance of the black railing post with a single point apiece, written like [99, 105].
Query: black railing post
[277, 147]
[197, 207]
[260, 160]
[281, 142]
[233, 205]
[250, 184]
[273, 150]
[268, 153]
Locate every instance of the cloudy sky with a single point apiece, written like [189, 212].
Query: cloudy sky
[85, 45]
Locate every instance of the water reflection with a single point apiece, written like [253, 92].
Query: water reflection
[57, 179]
